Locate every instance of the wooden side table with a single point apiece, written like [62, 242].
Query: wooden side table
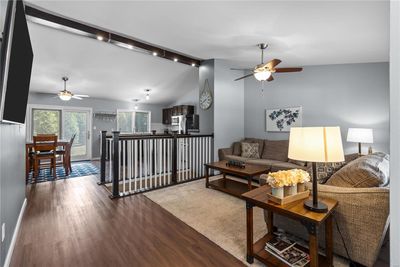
[311, 220]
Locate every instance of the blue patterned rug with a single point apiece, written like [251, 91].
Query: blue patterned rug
[82, 168]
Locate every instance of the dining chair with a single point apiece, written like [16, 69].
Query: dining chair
[66, 155]
[44, 148]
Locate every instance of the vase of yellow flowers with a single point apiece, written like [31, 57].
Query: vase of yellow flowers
[286, 183]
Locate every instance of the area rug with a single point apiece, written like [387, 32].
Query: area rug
[82, 168]
[216, 215]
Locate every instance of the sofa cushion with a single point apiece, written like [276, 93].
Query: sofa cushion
[367, 171]
[298, 162]
[276, 150]
[263, 162]
[237, 148]
[281, 165]
[238, 158]
[260, 143]
[250, 150]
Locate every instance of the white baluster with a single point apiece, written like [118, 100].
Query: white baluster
[136, 163]
[164, 160]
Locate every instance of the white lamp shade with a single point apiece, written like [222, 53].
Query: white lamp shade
[360, 135]
[316, 144]
[262, 75]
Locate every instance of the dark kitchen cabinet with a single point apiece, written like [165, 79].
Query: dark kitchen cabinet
[166, 115]
[187, 110]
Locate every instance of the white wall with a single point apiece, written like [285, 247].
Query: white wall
[228, 106]
[394, 133]
[348, 95]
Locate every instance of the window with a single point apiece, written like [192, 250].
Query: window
[46, 121]
[133, 121]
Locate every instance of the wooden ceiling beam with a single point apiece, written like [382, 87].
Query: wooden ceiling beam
[56, 21]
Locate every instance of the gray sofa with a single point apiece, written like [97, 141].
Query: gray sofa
[273, 154]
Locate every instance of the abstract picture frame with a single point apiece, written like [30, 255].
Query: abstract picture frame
[282, 119]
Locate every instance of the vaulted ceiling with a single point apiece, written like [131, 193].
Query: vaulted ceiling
[300, 33]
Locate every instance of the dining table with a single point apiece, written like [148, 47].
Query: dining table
[29, 148]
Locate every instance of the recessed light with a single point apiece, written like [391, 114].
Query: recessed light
[100, 38]
[193, 65]
[175, 59]
[155, 54]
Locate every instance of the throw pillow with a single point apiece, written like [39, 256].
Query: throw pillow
[250, 150]
[326, 169]
[367, 171]
[237, 148]
[260, 143]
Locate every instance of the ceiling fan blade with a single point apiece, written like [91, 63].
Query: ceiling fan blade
[77, 97]
[272, 63]
[82, 95]
[248, 75]
[270, 79]
[288, 69]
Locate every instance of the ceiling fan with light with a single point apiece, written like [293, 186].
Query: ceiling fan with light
[66, 95]
[263, 71]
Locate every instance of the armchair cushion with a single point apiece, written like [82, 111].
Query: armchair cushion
[367, 171]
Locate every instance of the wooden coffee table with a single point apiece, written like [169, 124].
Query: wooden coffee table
[230, 186]
[295, 210]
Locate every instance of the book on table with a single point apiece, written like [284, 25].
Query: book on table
[279, 245]
[286, 251]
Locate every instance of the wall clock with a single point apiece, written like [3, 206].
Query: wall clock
[206, 97]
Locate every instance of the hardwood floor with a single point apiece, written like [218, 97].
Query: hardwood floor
[73, 222]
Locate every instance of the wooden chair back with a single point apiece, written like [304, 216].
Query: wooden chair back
[69, 147]
[45, 143]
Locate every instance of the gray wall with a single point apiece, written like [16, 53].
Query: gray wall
[12, 181]
[206, 71]
[228, 106]
[12, 166]
[394, 133]
[350, 95]
[191, 97]
[97, 105]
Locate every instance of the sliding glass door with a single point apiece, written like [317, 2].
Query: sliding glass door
[64, 122]
[76, 122]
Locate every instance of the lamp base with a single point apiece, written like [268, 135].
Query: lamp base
[320, 207]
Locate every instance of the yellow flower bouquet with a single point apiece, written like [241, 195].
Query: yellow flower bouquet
[285, 183]
[287, 178]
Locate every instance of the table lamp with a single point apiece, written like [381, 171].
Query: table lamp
[360, 135]
[316, 144]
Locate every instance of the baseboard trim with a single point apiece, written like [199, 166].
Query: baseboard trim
[15, 234]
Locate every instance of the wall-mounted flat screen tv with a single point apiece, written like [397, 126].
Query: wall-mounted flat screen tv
[16, 64]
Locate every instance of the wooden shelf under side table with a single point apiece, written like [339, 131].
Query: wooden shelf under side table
[295, 210]
[230, 186]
